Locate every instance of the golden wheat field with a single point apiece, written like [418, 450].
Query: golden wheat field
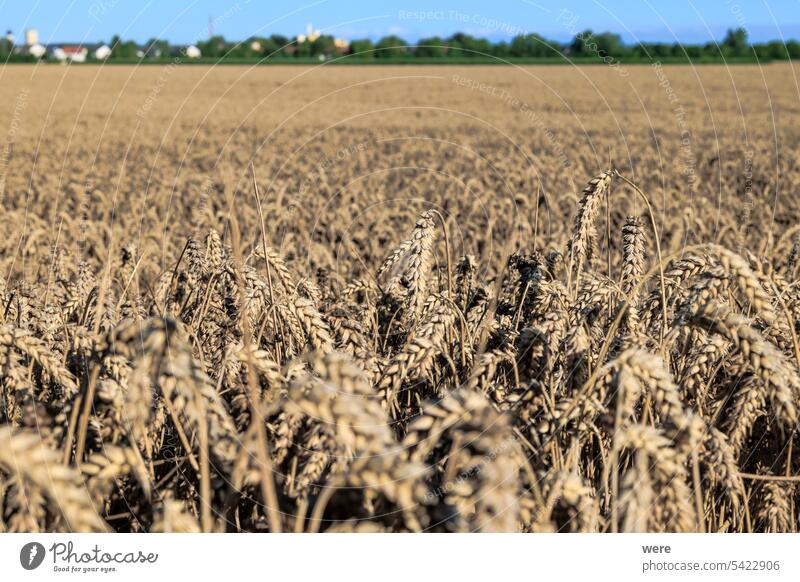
[399, 299]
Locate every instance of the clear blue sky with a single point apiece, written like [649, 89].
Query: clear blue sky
[185, 21]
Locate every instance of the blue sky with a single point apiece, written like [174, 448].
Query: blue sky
[186, 21]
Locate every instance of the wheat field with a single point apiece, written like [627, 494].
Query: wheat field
[391, 299]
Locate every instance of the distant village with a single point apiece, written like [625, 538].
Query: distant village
[62, 52]
[313, 41]
[585, 46]
[73, 52]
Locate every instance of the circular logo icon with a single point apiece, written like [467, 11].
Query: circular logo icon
[31, 555]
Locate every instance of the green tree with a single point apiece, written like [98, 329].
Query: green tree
[302, 49]
[605, 44]
[430, 47]
[714, 51]
[156, 48]
[363, 48]
[770, 50]
[501, 49]
[255, 47]
[280, 40]
[275, 46]
[693, 51]
[661, 50]
[214, 47]
[323, 46]
[611, 45]
[390, 47]
[269, 48]
[122, 49]
[465, 45]
[530, 45]
[735, 43]
[578, 46]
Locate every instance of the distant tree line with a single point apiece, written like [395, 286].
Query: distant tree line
[586, 45]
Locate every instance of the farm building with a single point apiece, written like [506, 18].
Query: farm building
[75, 53]
[102, 52]
[192, 52]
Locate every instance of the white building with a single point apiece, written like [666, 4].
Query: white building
[37, 50]
[192, 52]
[70, 52]
[102, 52]
[32, 46]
